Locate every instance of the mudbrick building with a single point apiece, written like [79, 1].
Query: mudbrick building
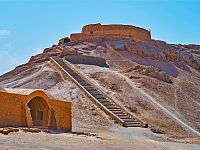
[29, 108]
[110, 31]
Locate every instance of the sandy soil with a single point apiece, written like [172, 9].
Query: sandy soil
[104, 138]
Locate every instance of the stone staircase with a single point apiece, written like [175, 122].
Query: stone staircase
[106, 104]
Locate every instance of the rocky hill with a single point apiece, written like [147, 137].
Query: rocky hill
[157, 81]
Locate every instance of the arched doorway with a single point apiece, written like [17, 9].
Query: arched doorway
[39, 111]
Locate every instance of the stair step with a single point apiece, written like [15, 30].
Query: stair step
[76, 75]
[122, 115]
[114, 109]
[106, 103]
[95, 93]
[129, 120]
[110, 107]
[98, 96]
[133, 125]
[83, 84]
[92, 90]
[69, 71]
[123, 118]
[79, 80]
[118, 112]
[103, 100]
[89, 87]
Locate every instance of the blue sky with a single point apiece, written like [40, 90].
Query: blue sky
[28, 26]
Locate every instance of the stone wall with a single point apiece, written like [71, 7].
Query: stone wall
[112, 31]
[75, 37]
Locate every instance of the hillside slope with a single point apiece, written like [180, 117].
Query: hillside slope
[158, 82]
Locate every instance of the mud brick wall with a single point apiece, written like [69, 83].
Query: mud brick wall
[115, 31]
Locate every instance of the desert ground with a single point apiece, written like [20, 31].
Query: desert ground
[112, 138]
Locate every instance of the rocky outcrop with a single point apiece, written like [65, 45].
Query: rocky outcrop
[145, 50]
[193, 60]
[192, 46]
[64, 40]
[153, 72]
[159, 50]
[157, 73]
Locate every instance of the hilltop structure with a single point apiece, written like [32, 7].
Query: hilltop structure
[109, 31]
[28, 108]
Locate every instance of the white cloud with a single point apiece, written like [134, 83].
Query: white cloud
[8, 61]
[4, 32]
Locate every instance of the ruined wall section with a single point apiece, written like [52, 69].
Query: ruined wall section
[112, 31]
[75, 37]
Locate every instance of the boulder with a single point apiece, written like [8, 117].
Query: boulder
[193, 60]
[154, 73]
[8, 130]
[157, 73]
